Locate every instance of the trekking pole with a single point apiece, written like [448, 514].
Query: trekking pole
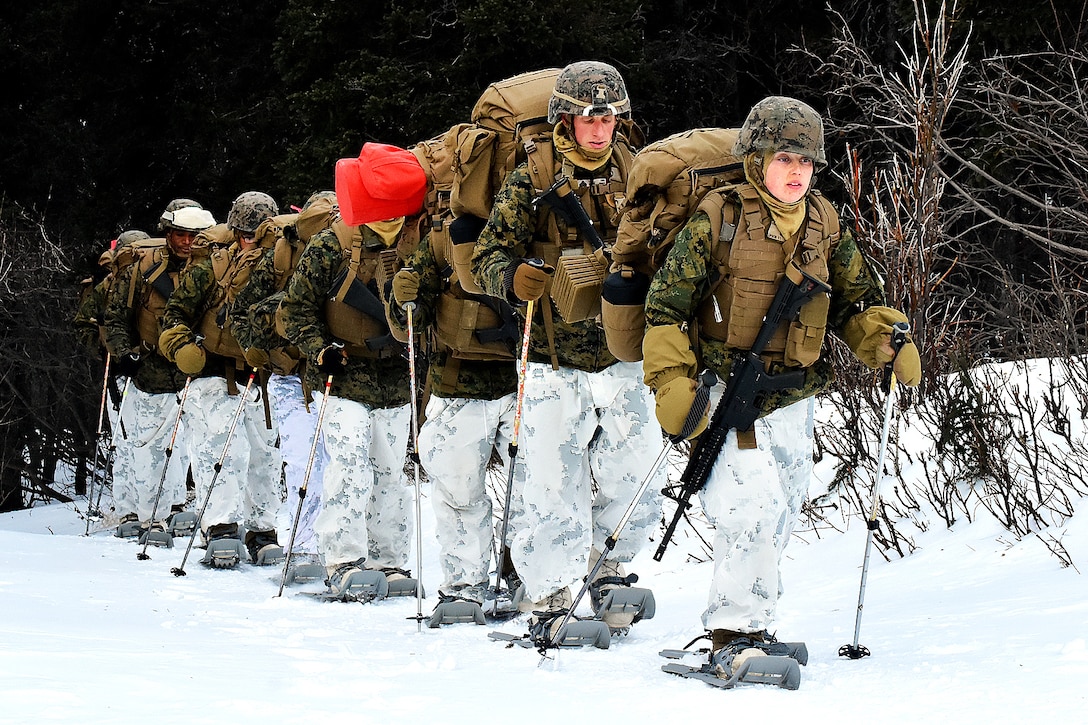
[142, 556]
[113, 440]
[707, 380]
[512, 449]
[180, 569]
[92, 511]
[899, 338]
[410, 307]
[305, 483]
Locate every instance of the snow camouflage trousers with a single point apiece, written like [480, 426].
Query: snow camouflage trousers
[139, 459]
[455, 446]
[753, 498]
[247, 490]
[297, 427]
[365, 508]
[581, 429]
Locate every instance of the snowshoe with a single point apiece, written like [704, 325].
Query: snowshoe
[181, 523]
[456, 608]
[757, 658]
[304, 568]
[224, 553]
[766, 670]
[546, 633]
[360, 585]
[128, 527]
[156, 535]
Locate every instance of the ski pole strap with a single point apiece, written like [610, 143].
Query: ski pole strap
[707, 380]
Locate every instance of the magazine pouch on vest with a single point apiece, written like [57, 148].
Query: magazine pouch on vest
[354, 308]
[751, 258]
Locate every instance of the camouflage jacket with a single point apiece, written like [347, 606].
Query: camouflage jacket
[515, 225]
[156, 374]
[91, 315]
[375, 382]
[449, 377]
[261, 284]
[686, 278]
[195, 294]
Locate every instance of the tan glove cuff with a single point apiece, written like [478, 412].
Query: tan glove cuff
[172, 340]
[666, 355]
[866, 332]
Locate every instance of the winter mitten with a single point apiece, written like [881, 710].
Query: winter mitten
[868, 334]
[405, 286]
[908, 365]
[256, 357]
[674, 401]
[666, 355]
[527, 281]
[190, 358]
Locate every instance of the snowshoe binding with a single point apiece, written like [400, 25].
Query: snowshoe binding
[618, 604]
[547, 631]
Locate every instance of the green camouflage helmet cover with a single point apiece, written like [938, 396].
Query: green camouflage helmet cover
[589, 88]
[173, 206]
[778, 123]
[249, 210]
[130, 237]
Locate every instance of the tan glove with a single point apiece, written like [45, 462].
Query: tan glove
[869, 334]
[674, 401]
[256, 357]
[172, 340]
[405, 286]
[530, 280]
[666, 355]
[190, 358]
[908, 365]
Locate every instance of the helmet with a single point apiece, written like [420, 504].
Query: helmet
[589, 88]
[130, 237]
[173, 206]
[778, 123]
[187, 219]
[249, 210]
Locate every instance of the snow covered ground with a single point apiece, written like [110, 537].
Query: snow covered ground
[969, 629]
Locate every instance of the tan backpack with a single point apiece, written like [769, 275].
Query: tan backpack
[665, 184]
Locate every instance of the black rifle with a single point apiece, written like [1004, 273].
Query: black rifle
[562, 199]
[741, 404]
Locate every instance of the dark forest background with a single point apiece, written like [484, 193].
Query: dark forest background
[957, 136]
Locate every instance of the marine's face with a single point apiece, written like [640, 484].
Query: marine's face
[180, 243]
[594, 132]
[788, 176]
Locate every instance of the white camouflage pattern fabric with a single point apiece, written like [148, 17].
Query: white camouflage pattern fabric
[754, 498]
[581, 429]
[247, 490]
[139, 459]
[297, 427]
[455, 444]
[365, 512]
